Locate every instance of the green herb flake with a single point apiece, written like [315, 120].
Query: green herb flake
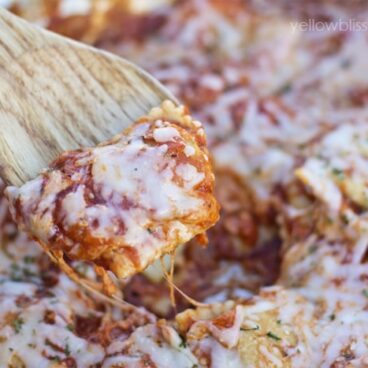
[365, 293]
[345, 219]
[329, 220]
[182, 344]
[332, 317]
[70, 327]
[338, 173]
[15, 274]
[29, 259]
[28, 273]
[67, 350]
[285, 88]
[14, 266]
[249, 329]
[273, 336]
[17, 325]
[82, 269]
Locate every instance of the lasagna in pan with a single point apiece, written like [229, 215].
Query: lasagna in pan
[280, 277]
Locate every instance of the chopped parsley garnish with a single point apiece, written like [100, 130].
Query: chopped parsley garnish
[249, 329]
[82, 269]
[67, 350]
[17, 325]
[28, 273]
[18, 273]
[365, 293]
[70, 327]
[273, 336]
[14, 273]
[338, 173]
[29, 259]
[345, 219]
[285, 88]
[182, 344]
[332, 317]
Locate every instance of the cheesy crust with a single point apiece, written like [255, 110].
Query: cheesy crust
[128, 201]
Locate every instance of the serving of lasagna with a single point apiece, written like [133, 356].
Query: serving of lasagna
[127, 202]
[281, 88]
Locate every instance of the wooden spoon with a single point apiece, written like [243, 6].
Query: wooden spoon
[57, 94]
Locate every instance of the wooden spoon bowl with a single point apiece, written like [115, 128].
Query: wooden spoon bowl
[57, 94]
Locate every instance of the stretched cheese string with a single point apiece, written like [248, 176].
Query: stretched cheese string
[106, 290]
[95, 287]
[169, 278]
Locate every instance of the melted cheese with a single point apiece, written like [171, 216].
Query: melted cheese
[127, 193]
[69, 8]
[220, 356]
[31, 339]
[162, 350]
[284, 108]
[165, 134]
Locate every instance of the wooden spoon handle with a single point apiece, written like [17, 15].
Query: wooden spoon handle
[57, 94]
[17, 37]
